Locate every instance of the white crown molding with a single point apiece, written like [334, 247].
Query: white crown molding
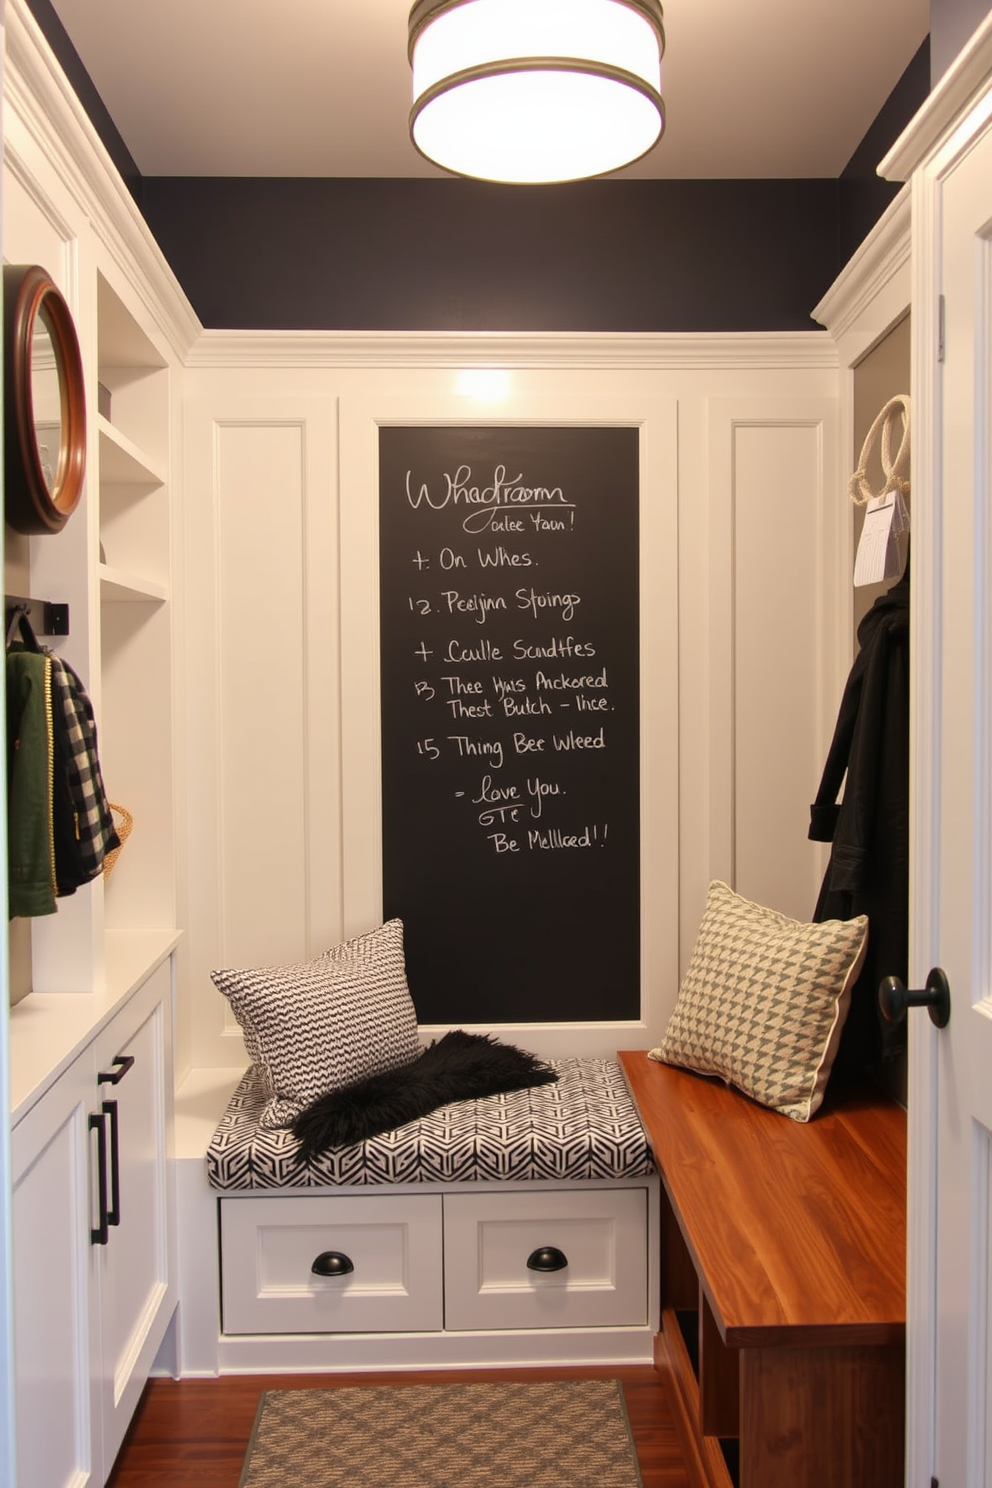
[38, 95]
[646, 351]
[870, 270]
[967, 76]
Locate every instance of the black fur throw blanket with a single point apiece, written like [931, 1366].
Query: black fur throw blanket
[456, 1067]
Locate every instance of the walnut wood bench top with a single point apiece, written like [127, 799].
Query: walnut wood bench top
[797, 1232]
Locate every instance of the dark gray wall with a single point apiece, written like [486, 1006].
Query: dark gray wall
[58, 39]
[952, 23]
[864, 196]
[465, 255]
[612, 255]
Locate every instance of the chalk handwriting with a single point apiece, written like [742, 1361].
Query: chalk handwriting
[502, 558]
[456, 653]
[559, 646]
[539, 790]
[501, 803]
[490, 503]
[524, 707]
[564, 604]
[479, 606]
[491, 749]
[561, 683]
[572, 740]
[553, 839]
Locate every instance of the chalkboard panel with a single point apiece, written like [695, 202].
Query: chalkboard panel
[510, 719]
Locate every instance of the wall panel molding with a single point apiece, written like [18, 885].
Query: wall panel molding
[657, 420]
[263, 726]
[775, 502]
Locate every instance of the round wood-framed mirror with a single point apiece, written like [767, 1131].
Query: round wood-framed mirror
[44, 403]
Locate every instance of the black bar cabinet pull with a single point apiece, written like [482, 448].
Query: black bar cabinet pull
[98, 1123]
[114, 1208]
[122, 1063]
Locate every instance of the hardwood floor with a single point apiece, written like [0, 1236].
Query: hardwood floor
[193, 1433]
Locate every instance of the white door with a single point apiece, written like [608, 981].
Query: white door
[951, 1085]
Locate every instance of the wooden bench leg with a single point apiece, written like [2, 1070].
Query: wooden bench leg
[719, 1379]
[822, 1417]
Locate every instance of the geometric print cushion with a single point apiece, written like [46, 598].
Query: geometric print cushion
[764, 1001]
[314, 1027]
[582, 1127]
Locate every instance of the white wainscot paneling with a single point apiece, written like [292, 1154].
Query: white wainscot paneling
[259, 468]
[774, 527]
[260, 617]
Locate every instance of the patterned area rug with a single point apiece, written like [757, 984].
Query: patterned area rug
[558, 1434]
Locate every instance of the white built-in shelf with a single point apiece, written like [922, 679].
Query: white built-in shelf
[122, 462]
[125, 349]
[120, 587]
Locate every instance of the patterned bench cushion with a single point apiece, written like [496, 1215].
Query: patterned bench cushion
[584, 1126]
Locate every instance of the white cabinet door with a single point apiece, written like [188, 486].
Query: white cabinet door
[92, 1245]
[136, 1295]
[56, 1333]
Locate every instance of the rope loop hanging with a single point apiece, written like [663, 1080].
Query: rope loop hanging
[894, 470]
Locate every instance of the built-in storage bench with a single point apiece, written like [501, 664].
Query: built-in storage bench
[518, 1228]
[783, 1282]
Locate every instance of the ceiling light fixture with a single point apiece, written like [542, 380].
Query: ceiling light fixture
[536, 90]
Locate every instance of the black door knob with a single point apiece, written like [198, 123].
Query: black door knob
[332, 1263]
[894, 1000]
[547, 1258]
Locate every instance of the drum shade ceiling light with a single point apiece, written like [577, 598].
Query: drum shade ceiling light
[536, 90]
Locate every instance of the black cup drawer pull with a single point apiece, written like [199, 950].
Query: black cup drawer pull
[547, 1258]
[122, 1063]
[332, 1263]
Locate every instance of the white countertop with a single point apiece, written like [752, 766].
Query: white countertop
[47, 1029]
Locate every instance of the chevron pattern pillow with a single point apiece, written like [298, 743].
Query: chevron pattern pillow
[315, 1027]
[764, 1001]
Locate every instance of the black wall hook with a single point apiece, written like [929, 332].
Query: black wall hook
[47, 617]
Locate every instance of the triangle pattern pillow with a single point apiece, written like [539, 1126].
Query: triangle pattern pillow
[317, 1026]
[764, 1001]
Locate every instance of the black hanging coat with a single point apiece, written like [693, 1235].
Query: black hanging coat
[868, 872]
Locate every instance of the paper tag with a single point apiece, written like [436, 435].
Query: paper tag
[886, 519]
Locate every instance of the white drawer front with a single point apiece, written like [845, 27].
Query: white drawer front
[268, 1247]
[488, 1239]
